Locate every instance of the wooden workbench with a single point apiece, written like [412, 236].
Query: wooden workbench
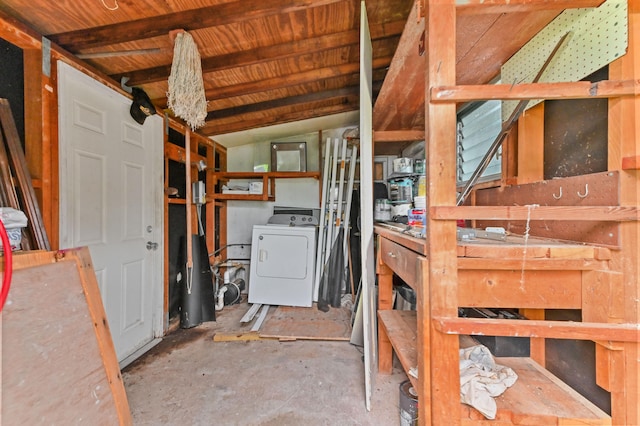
[541, 274]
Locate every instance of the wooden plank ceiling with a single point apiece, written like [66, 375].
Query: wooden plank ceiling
[279, 61]
[264, 62]
[487, 35]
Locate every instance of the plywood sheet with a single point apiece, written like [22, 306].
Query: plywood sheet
[288, 322]
[55, 370]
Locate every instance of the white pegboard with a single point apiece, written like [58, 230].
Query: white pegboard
[597, 36]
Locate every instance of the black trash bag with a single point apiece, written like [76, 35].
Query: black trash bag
[334, 276]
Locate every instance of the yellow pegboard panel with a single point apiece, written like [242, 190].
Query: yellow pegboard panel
[597, 36]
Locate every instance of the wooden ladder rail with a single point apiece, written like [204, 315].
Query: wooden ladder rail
[13, 156]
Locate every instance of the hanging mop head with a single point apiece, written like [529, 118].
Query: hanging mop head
[186, 88]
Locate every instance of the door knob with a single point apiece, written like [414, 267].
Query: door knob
[152, 246]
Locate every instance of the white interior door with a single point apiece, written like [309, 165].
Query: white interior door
[111, 177]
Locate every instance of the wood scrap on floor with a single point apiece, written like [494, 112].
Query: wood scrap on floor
[238, 337]
[288, 323]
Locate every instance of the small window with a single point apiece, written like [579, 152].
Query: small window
[478, 127]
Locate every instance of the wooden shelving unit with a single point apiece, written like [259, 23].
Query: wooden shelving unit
[556, 276]
[600, 278]
[268, 180]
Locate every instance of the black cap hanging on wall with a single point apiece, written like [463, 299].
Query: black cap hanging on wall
[141, 107]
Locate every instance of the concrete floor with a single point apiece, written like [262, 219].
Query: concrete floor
[190, 379]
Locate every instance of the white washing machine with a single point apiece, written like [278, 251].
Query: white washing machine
[283, 262]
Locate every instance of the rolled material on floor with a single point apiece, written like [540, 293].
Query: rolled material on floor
[334, 277]
[198, 302]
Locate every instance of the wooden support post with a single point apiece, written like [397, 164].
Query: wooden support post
[41, 137]
[165, 231]
[441, 244]
[424, 341]
[187, 168]
[536, 344]
[510, 158]
[210, 232]
[531, 145]
[385, 301]
[624, 142]
[222, 232]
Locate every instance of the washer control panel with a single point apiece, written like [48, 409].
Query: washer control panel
[292, 220]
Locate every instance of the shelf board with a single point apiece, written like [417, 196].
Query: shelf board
[268, 179]
[269, 175]
[537, 397]
[544, 253]
[242, 197]
[541, 398]
[401, 329]
[177, 201]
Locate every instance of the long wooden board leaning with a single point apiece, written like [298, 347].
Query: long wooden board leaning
[58, 362]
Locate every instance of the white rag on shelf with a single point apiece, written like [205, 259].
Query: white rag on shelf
[481, 379]
[12, 218]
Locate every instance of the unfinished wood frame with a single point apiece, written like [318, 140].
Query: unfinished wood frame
[72, 374]
[533, 274]
[173, 152]
[441, 245]
[622, 364]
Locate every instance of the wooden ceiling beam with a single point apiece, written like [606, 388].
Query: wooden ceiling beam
[15, 32]
[561, 90]
[220, 127]
[263, 54]
[285, 81]
[249, 57]
[495, 7]
[189, 20]
[404, 82]
[398, 135]
[283, 102]
[307, 98]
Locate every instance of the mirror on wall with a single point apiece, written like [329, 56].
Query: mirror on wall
[289, 156]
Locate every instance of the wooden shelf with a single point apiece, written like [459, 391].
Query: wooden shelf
[537, 396]
[400, 326]
[268, 184]
[242, 197]
[177, 201]
[260, 175]
[544, 253]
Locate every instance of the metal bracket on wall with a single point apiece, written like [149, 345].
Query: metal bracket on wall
[46, 56]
